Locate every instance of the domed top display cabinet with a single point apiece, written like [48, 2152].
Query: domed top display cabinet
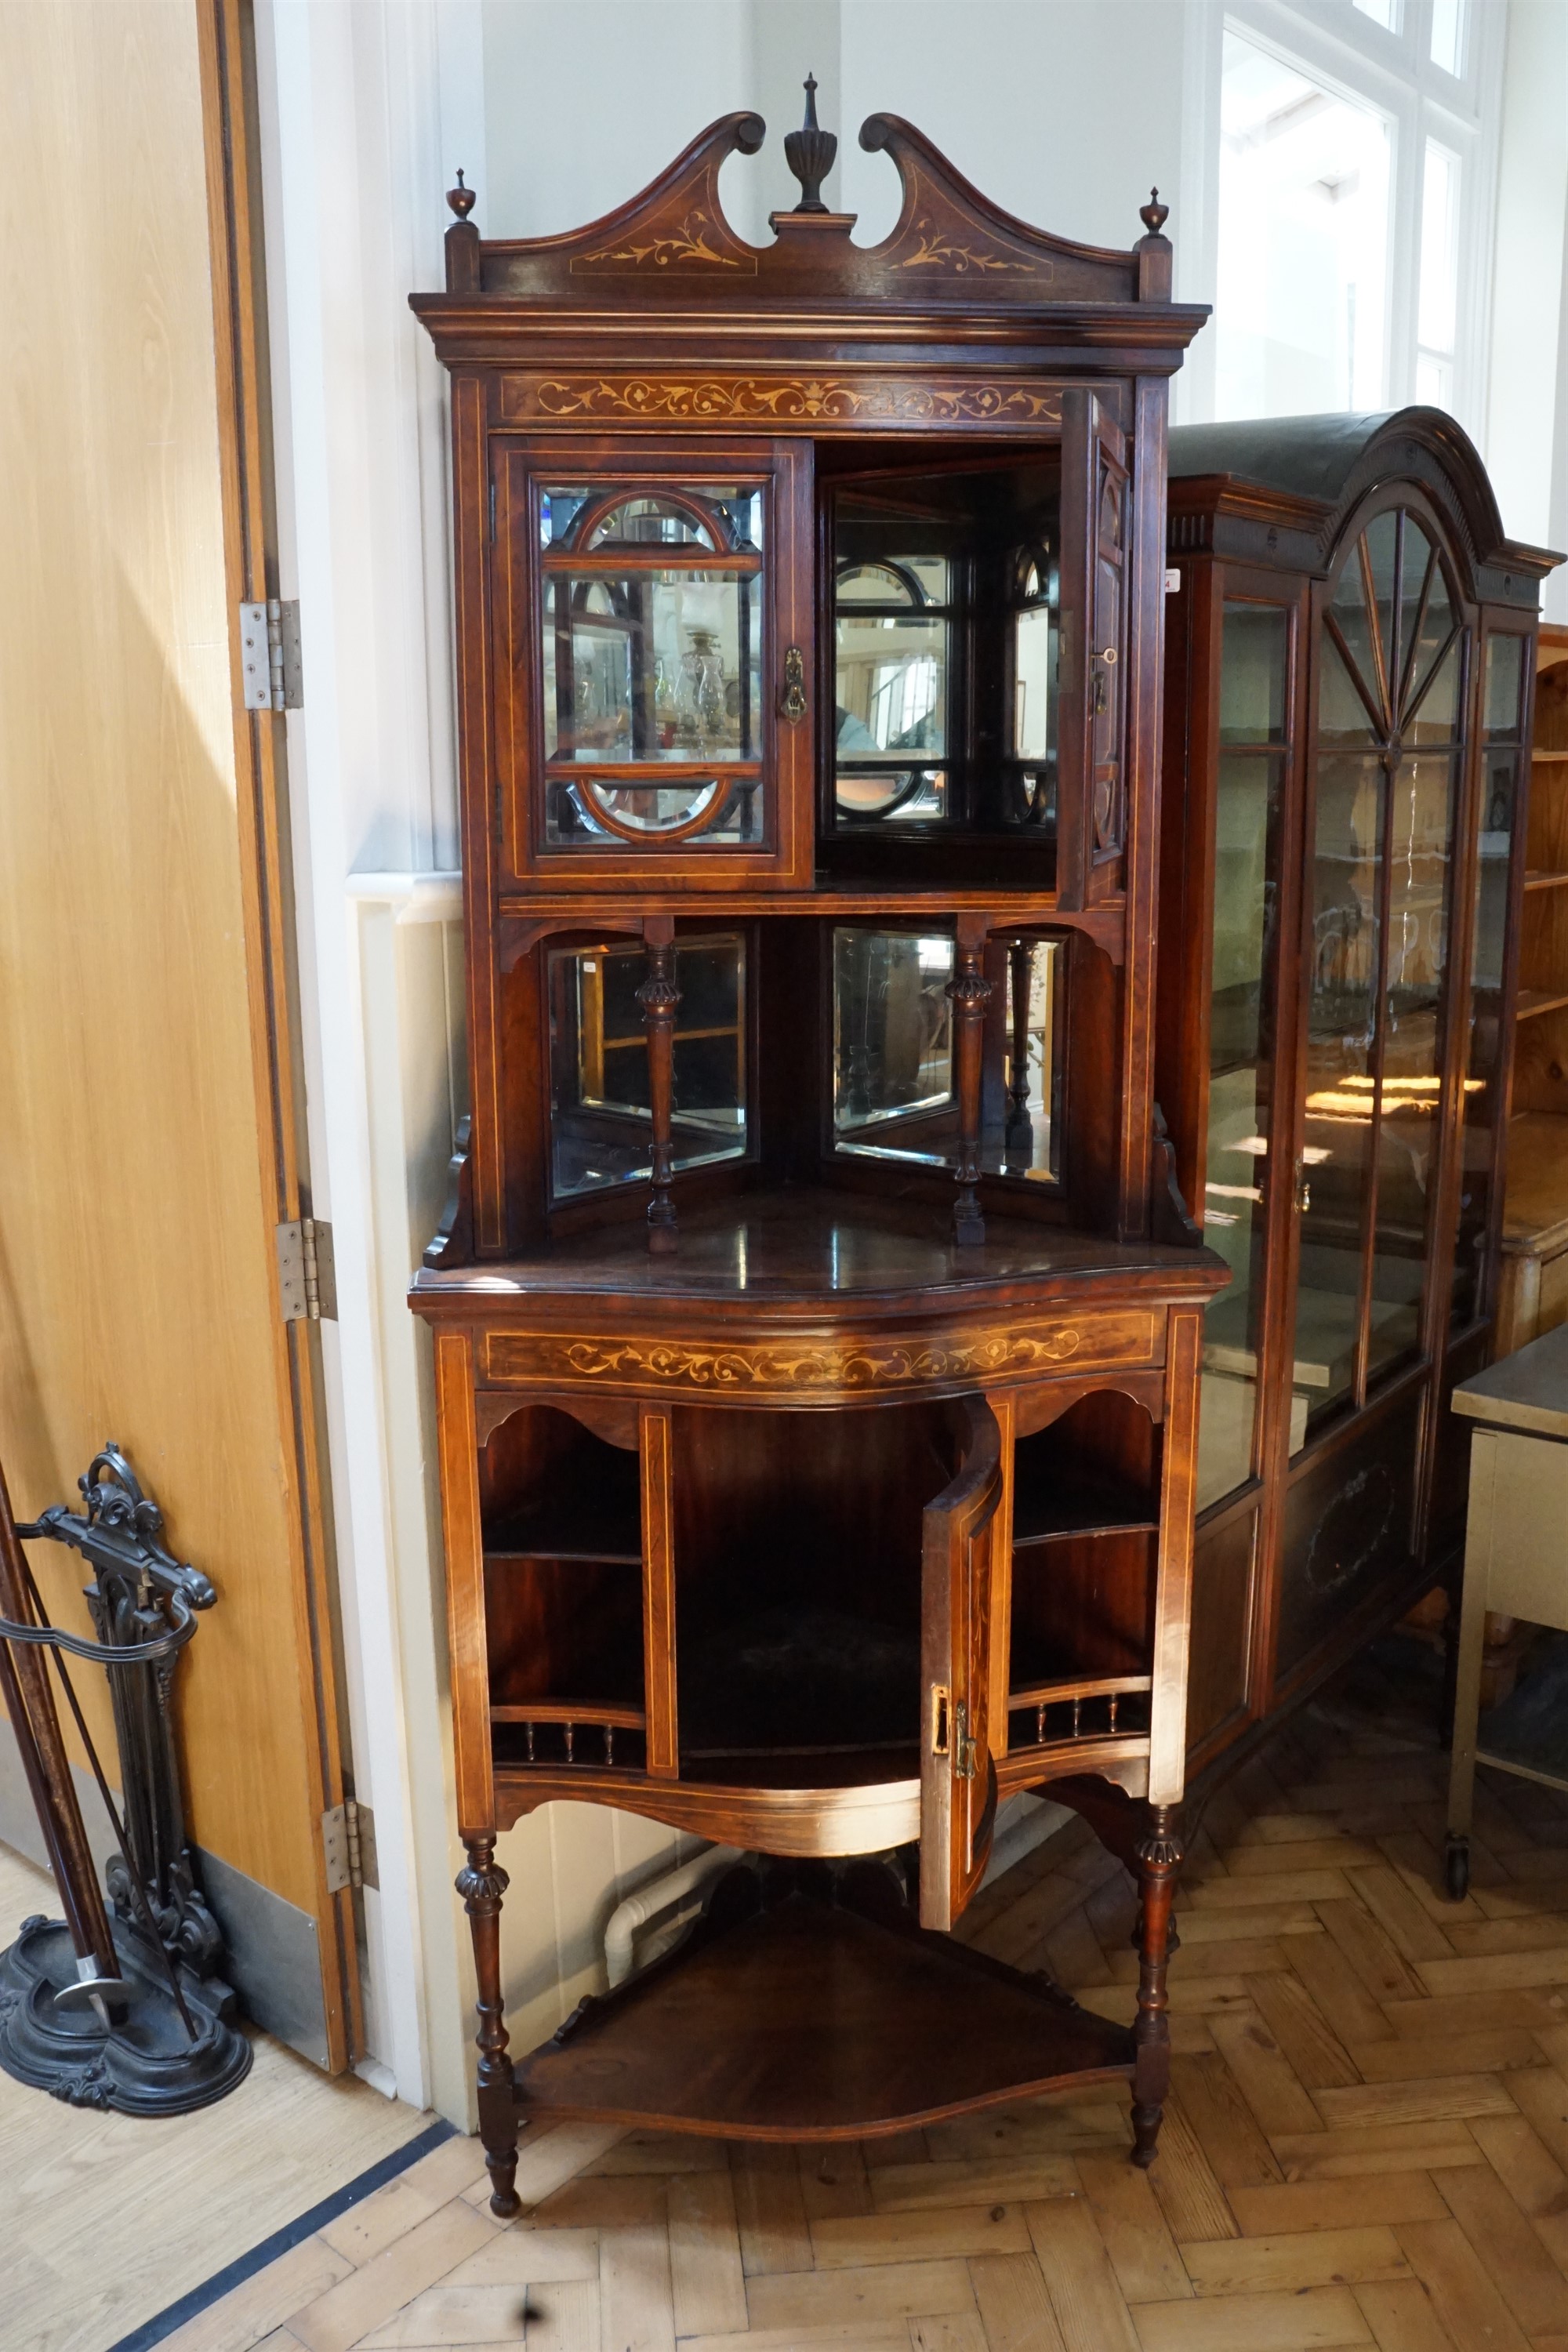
[816, 1324]
[1348, 681]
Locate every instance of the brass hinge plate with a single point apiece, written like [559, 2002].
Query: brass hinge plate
[348, 1839]
[307, 1272]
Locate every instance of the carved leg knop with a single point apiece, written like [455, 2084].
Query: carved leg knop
[482, 1886]
[1159, 1860]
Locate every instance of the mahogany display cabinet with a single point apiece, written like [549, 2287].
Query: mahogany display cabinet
[1349, 665]
[817, 1323]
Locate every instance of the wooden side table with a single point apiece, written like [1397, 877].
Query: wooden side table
[1516, 1546]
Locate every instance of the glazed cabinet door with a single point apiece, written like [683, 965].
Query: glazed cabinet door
[957, 1572]
[1091, 789]
[652, 663]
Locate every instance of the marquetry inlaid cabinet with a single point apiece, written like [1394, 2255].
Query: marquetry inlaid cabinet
[816, 1320]
[1350, 656]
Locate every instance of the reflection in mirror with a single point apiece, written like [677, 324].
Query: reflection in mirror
[891, 688]
[892, 1053]
[652, 665]
[946, 648]
[892, 1042]
[600, 1119]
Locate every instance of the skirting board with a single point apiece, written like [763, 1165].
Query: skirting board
[274, 1963]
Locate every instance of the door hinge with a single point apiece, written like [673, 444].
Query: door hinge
[348, 1839]
[307, 1275]
[270, 654]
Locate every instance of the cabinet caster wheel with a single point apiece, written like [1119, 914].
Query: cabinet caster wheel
[1456, 1868]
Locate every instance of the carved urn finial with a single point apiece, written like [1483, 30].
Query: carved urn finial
[809, 153]
[461, 199]
[1154, 215]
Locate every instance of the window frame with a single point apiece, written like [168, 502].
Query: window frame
[1348, 54]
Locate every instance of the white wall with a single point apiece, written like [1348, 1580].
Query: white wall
[1064, 110]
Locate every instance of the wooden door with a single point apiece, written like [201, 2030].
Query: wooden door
[145, 1058]
[959, 1570]
[1091, 790]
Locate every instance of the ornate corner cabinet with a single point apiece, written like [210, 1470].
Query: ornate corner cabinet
[816, 1324]
[1349, 665]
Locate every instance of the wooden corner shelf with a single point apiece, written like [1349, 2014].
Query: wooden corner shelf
[809, 2022]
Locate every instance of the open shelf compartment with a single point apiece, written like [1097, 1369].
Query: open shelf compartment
[564, 1602]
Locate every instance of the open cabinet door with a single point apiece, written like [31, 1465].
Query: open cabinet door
[958, 1777]
[1091, 793]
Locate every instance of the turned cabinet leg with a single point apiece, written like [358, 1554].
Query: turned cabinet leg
[1159, 1860]
[482, 1886]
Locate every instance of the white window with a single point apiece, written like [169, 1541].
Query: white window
[1345, 206]
[1437, 304]
[1301, 322]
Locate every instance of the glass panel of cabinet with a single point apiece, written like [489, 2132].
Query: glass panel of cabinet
[888, 1082]
[775, 666]
[1335, 892]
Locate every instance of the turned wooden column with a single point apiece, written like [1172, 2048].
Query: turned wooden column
[660, 999]
[1159, 1860]
[969, 993]
[481, 1886]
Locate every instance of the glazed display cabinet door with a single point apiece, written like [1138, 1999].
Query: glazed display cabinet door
[1373, 1101]
[655, 663]
[958, 1777]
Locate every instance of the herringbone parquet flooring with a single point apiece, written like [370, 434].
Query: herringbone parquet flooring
[1367, 2143]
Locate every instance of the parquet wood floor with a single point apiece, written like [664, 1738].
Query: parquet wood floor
[1367, 2143]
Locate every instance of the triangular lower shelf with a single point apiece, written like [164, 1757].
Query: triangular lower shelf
[807, 2022]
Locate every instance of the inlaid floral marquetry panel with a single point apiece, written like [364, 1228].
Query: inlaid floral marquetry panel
[808, 401]
[820, 1370]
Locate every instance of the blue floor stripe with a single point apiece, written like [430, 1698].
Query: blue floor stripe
[153, 2331]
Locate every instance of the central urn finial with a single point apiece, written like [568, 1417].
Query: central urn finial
[809, 153]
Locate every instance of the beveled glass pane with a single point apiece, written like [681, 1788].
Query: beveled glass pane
[1034, 682]
[1252, 674]
[1505, 676]
[892, 1044]
[1340, 1025]
[891, 686]
[912, 795]
[1027, 1140]
[605, 812]
[600, 1123]
[652, 665]
[1343, 716]
[1420, 842]
[1246, 817]
[651, 522]
[653, 517]
[1494, 848]
[911, 580]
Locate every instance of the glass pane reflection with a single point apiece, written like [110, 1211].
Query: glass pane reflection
[652, 665]
[600, 1123]
[1246, 817]
[1341, 1027]
[893, 1091]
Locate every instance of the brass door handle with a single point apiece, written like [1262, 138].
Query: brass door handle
[791, 701]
